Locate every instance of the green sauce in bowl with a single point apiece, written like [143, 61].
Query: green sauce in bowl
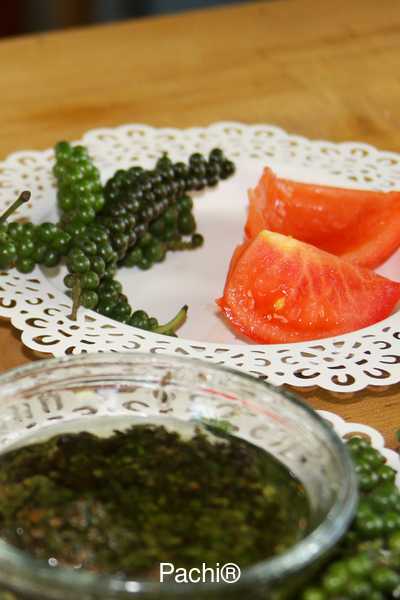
[125, 503]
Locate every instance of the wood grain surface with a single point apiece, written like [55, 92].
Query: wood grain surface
[324, 70]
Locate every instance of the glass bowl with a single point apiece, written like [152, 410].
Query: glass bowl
[118, 390]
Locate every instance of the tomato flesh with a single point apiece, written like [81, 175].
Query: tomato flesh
[360, 226]
[281, 290]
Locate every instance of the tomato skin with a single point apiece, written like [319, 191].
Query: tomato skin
[281, 290]
[361, 226]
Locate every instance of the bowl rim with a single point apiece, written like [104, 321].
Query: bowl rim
[301, 555]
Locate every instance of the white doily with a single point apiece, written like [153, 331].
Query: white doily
[37, 305]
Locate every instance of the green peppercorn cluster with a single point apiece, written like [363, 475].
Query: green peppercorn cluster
[24, 245]
[132, 222]
[366, 565]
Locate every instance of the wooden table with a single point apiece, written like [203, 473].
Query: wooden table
[325, 70]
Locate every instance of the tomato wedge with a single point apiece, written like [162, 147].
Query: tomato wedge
[281, 290]
[360, 226]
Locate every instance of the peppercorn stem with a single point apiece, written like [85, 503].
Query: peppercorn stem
[77, 291]
[173, 323]
[185, 245]
[23, 197]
